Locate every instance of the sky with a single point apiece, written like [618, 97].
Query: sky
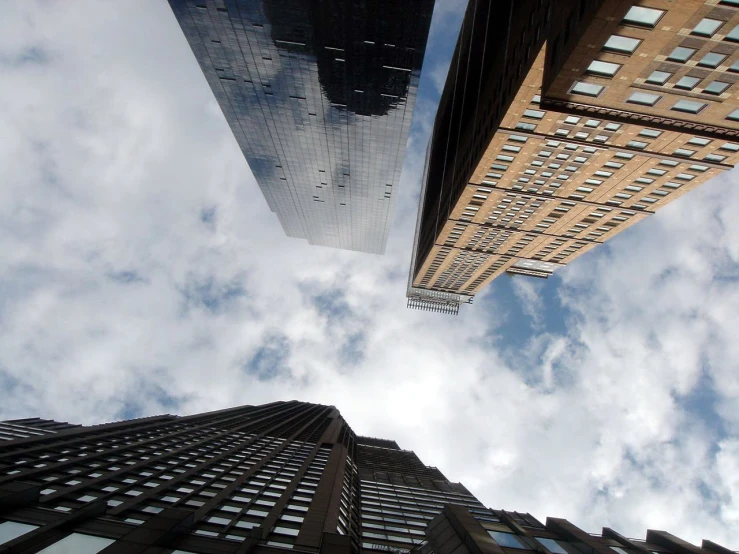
[141, 272]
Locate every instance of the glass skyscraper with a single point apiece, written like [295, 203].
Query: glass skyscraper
[262, 480]
[319, 95]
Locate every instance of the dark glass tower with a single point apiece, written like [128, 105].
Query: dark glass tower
[262, 479]
[319, 94]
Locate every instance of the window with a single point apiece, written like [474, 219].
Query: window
[687, 83]
[699, 168]
[733, 116]
[534, 114]
[651, 133]
[613, 127]
[734, 3]
[552, 545]
[637, 144]
[735, 67]
[714, 158]
[658, 172]
[659, 77]
[643, 98]
[11, 530]
[586, 89]
[572, 120]
[621, 44]
[681, 54]
[683, 152]
[643, 17]
[733, 36]
[688, 106]
[605, 69]
[717, 87]
[526, 126]
[77, 543]
[712, 59]
[730, 147]
[697, 141]
[507, 539]
[707, 27]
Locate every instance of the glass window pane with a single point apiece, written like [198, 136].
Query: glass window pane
[735, 67]
[637, 144]
[535, 114]
[707, 27]
[734, 116]
[688, 106]
[77, 543]
[643, 98]
[592, 123]
[651, 133]
[733, 36]
[717, 87]
[10, 530]
[587, 89]
[698, 141]
[613, 127]
[687, 83]
[643, 17]
[607, 69]
[618, 43]
[659, 77]
[507, 539]
[553, 546]
[681, 54]
[712, 59]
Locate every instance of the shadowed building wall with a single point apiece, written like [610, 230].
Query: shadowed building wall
[285, 476]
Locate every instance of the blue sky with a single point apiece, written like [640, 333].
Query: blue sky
[143, 273]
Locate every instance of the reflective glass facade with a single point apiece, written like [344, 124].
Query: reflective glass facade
[319, 95]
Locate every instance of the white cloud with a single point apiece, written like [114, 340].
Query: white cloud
[115, 295]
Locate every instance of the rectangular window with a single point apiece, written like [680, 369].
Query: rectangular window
[643, 17]
[698, 168]
[659, 77]
[612, 127]
[643, 98]
[621, 44]
[698, 141]
[586, 89]
[534, 114]
[681, 54]
[525, 126]
[714, 158]
[637, 144]
[712, 59]
[572, 120]
[684, 152]
[733, 116]
[605, 69]
[733, 36]
[707, 27]
[688, 106]
[593, 123]
[584, 189]
[717, 87]
[687, 83]
[650, 133]
[658, 172]
[731, 147]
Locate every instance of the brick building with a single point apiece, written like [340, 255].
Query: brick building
[562, 124]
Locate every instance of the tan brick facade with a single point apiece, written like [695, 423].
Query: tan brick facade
[566, 171]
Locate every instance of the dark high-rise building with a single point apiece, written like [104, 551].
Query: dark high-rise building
[562, 124]
[319, 95]
[261, 479]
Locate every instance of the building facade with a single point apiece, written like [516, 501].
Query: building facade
[262, 479]
[319, 95]
[607, 111]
